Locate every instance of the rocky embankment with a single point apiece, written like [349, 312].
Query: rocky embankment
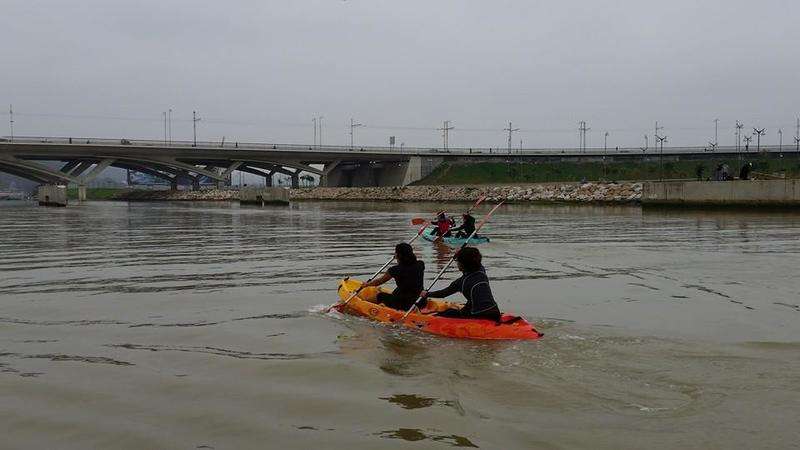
[209, 195]
[562, 192]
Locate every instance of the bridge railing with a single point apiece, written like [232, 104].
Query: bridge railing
[429, 151]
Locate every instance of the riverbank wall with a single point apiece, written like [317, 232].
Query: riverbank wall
[757, 193]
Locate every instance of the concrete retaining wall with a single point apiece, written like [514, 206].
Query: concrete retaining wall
[739, 192]
[52, 195]
[264, 196]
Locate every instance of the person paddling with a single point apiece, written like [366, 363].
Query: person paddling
[466, 228]
[442, 224]
[473, 284]
[408, 274]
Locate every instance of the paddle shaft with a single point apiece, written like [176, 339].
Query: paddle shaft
[450, 262]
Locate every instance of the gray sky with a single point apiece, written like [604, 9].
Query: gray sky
[260, 70]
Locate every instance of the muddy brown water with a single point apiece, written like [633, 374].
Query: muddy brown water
[178, 325]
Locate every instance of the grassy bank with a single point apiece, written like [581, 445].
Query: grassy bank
[568, 171]
[96, 193]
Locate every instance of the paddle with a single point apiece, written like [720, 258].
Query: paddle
[353, 295]
[447, 266]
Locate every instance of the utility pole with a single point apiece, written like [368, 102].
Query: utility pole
[169, 119]
[582, 128]
[510, 130]
[716, 129]
[759, 133]
[11, 121]
[314, 121]
[195, 119]
[353, 126]
[780, 140]
[445, 133]
[165, 127]
[319, 122]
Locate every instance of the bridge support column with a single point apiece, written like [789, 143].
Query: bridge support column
[268, 179]
[397, 173]
[52, 195]
[173, 184]
[196, 183]
[296, 180]
[81, 193]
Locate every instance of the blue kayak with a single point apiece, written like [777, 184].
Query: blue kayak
[429, 235]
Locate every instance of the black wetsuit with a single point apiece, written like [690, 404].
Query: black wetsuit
[466, 228]
[475, 288]
[409, 279]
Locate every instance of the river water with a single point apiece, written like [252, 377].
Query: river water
[178, 325]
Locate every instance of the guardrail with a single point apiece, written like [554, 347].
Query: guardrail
[432, 151]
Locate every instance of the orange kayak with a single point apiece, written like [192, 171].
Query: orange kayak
[511, 327]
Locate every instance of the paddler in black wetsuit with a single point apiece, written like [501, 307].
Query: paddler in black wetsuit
[474, 284]
[466, 228]
[408, 274]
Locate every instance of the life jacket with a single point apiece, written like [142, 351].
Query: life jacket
[443, 225]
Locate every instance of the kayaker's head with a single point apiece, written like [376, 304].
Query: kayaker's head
[404, 254]
[469, 259]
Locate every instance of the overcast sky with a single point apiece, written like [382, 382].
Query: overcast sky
[260, 70]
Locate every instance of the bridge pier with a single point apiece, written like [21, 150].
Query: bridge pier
[268, 179]
[296, 180]
[52, 195]
[81, 193]
[173, 184]
[399, 173]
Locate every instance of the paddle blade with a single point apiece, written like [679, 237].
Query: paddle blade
[418, 221]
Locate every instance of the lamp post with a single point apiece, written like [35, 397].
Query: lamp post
[780, 140]
[11, 121]
[739, 127]
[661, 139]
[759, 133]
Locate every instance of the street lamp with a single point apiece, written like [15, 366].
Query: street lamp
[739, 127]
[661, 139]
[759, 133]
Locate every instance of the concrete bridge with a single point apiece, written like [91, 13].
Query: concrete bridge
[83, 159]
